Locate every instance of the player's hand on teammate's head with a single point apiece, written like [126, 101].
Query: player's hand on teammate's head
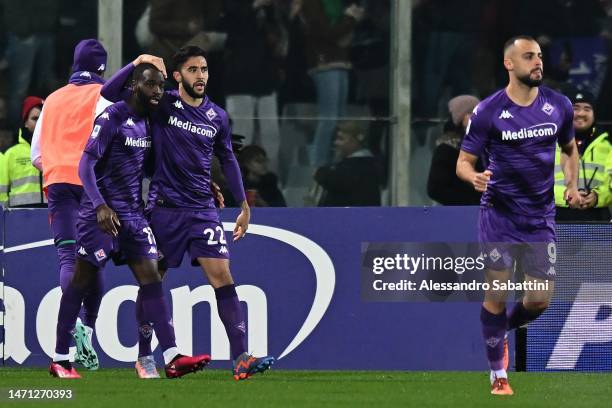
[573, 198]
[218, 196]
[108, 220]
[481, 180]
[157, 62]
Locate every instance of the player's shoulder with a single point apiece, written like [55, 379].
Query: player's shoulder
[113, 112]
[485, 108]
[555, 97]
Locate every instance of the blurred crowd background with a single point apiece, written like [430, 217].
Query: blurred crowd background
[307, 82]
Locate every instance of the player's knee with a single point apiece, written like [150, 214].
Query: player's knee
[538, 306]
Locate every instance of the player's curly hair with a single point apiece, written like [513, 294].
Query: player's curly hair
[184, 53]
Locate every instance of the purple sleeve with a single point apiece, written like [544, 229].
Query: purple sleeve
[567, 127]
[99, 140]
[229, 164]
[476, 134]
[88, 178]
[114, 89]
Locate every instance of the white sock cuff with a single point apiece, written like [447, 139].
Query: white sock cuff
[60, 357]
[169, 354]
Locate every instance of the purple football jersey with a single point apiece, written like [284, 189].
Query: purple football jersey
[120, 143]
[517, 144]
[185, 139]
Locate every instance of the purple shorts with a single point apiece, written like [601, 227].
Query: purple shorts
[64, 201]
[507, 238]
[134, 242]
[198, 232]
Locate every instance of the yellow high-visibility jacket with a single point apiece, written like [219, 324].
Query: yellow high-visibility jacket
[20, 182]
[595, 167]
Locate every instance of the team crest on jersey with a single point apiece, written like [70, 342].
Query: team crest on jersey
[129, 122]
[105, 115]
[95, 131]
[100, 254]
[548, 108]
[495, 255]
[211, 114]
[178, 104]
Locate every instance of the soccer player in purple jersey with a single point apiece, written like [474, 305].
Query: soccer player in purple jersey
[515, 131]
[111, 222]
[187, 130]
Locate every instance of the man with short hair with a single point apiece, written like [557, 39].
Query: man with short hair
[516, 130]
[112, 224]
[595, 150]
[187, 130]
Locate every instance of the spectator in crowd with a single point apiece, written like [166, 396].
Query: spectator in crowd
[443, 185]
[355, 179]
[256, 45]
[30, 26]
[594, 174]
[260, 184]
[328, 29]
[20, 181]
[449, 47]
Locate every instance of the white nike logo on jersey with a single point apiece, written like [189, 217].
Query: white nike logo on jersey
[178, 105]
[505, 115]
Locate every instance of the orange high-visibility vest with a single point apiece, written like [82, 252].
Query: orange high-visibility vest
[67, 122]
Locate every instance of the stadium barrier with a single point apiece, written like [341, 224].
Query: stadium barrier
[297, 273]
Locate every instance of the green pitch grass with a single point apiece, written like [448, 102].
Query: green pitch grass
[115, 388]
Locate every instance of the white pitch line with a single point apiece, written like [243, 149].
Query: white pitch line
[29, 245]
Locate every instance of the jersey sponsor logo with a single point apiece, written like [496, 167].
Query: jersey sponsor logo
[223, 250]
[505, 115]
[178, 104]
[129, 122]
[548, 108]
[539, 130]
[100, 254]
[82, 251]
[198, 129]
[95, 131]
[133, 142]
[105, 115]
[211, 114]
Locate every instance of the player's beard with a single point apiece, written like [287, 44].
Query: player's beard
[527, 80]
[145, 101]
[191, 92]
